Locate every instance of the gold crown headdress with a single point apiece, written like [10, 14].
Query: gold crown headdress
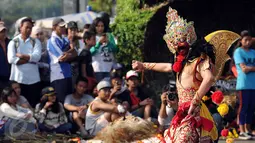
[178, 30]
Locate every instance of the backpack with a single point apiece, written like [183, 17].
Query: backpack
[16, 43]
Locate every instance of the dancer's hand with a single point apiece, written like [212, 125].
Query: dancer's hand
[193, 109]
[138, 66]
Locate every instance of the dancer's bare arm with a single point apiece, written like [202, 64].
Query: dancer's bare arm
[160, 67]
[206, 84]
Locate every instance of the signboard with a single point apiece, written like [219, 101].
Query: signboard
[226, 85]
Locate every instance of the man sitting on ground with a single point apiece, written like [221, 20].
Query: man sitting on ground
[77, 103]
[140, 103]
[100, 112]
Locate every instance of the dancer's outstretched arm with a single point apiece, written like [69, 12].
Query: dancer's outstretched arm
[160, 67]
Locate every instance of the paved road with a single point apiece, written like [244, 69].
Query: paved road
[238, 141]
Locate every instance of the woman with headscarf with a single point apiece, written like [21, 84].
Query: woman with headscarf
[38, 33]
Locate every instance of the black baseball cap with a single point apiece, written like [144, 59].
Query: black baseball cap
[48, 91]
[58, 21]
[71, 25]
[114, 74]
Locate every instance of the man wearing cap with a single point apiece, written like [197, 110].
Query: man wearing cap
[73, 38]
[5, 66]
[23, 53]
[118, 92]
[60, 54]
[140, 103]
[77, 45]
[100, 112]
[117, 69]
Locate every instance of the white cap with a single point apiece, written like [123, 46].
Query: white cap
[131, 73]
[36, 30]
[103, 84]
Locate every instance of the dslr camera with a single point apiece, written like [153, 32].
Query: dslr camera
[170, 89]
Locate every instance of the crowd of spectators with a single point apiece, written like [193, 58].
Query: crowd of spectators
[66, 83]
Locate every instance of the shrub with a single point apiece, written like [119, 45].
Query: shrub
[129, 28]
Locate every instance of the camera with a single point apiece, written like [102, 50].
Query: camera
[170, 88]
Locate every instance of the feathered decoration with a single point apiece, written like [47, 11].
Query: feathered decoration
[217, 97]
[223, 109]
[224, 132]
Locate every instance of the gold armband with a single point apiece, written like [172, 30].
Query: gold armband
[196, 100]
[149, 66]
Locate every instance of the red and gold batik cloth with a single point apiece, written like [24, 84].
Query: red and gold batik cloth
[185, 128]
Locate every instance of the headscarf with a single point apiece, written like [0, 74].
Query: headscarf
[35, 31]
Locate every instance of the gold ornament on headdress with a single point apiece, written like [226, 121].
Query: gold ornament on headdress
[178, 30]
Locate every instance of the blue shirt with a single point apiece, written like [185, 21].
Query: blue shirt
[244, 80]
[56, 46]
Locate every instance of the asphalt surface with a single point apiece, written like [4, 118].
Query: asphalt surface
[238, 141]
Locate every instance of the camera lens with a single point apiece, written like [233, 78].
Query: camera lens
[172, 96]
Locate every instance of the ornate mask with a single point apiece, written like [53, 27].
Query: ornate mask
[178, 30]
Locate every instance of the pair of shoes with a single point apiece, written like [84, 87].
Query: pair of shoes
[252, 136]
[244, 136]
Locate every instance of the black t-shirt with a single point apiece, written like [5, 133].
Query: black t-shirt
[126, 95]
[123, 96]
[85, 57]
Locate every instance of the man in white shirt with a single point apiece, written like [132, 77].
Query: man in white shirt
[23, 54]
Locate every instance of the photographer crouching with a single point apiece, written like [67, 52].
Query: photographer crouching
[169, 105]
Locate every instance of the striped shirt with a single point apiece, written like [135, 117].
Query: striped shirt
[56, 46]
[50, 118]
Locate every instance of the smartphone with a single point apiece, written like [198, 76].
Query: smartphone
[104, 34]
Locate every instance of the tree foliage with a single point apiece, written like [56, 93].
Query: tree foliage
[101, 5]
[129, 28]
